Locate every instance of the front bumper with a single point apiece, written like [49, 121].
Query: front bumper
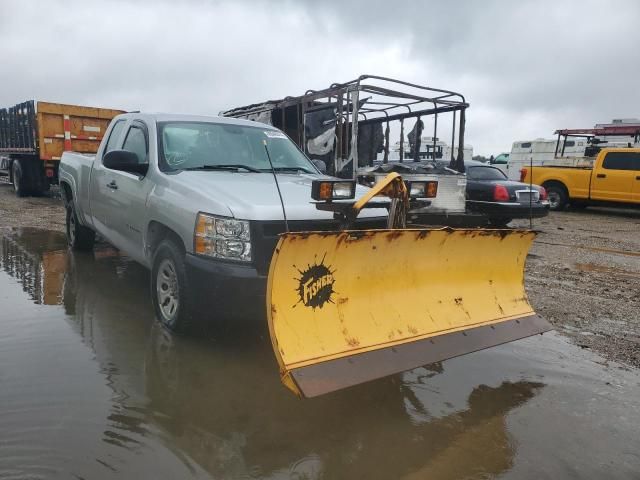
[231, 288]
[510, 209]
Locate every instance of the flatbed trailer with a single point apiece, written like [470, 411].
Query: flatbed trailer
[33, 136]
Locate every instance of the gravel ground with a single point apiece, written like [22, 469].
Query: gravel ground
[583, 273]
[41, 212]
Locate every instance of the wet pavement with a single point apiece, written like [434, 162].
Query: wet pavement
[91, 387]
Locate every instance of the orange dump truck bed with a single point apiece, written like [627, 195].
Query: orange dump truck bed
[70, 127]
[33, 136]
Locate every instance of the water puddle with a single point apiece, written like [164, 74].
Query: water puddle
[92, 387]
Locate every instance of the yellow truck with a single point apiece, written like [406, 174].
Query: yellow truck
[613, 179]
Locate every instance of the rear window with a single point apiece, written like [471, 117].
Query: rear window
[622, 161]
[485, 173]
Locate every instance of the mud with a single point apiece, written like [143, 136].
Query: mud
[92, 388]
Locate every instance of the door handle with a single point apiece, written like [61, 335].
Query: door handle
[601, 175]
[112, 185]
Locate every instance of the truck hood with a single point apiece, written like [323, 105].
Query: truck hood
[254, 196]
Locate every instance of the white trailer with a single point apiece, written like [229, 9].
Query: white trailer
[541, 151]
[575, 148]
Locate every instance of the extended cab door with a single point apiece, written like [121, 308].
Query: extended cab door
[100, 193]
[613, 176]
[130, 194]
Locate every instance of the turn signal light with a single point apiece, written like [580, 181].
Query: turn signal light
[422, 189]
[327, 190]
[500, 193]
[432, 189]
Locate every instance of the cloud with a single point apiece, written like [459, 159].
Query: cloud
[527, 68]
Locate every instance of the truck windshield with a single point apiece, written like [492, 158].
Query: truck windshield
[211, 146]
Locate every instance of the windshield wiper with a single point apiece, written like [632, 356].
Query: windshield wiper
[235, 166]
[291, 169]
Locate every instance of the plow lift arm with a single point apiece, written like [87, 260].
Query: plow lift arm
[351, 306]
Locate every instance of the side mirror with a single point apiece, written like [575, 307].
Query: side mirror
[124, 161]
[320, 165]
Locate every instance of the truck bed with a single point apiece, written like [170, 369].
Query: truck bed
[576, 179]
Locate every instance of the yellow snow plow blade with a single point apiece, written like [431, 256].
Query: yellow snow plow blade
[352, 306]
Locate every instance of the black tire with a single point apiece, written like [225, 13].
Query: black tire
[499, 221]
[79, 237]
[578, 205]
[38, 181]
[557, 196]
[171, 295]
[19, 179]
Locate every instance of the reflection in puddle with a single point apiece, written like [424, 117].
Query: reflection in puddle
[131, 398]
[37, 261]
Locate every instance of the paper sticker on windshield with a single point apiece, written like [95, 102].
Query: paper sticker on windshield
[274, 134]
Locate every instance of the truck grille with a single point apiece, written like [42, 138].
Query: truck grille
[264, 235]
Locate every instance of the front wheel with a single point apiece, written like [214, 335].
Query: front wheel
[557, 197]
[79, 237]
[170, 291]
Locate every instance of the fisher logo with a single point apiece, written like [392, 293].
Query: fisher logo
[315, 285]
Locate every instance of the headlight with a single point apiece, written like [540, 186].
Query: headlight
[422, 189]
[327, 190]
[222, 237]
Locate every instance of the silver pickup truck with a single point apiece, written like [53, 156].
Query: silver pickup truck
[195, 200]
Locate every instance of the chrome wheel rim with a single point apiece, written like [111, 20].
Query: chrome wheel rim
[167, 290]
[554, 199]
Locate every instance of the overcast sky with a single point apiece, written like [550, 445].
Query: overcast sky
[526, 68]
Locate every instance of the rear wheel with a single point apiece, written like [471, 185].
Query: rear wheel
[19, 180]
[170, 291]
[39, 181]
[557, 196]
[79, 237]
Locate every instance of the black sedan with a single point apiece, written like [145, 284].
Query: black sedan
[492, 194]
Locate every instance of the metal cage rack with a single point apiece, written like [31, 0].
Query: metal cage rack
[349, 107]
